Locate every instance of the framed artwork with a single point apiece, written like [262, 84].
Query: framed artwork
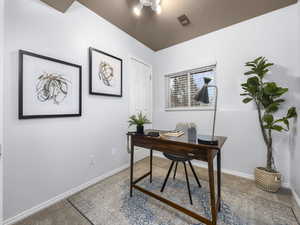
[105, 74]
[48, 87]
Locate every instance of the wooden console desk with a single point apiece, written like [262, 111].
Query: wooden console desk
[181, 146]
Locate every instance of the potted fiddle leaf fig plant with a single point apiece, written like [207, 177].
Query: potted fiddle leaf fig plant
[139, 120]
[267, 96]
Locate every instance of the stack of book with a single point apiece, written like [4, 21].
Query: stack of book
[176, 133]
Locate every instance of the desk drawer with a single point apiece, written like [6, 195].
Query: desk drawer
[171, 148]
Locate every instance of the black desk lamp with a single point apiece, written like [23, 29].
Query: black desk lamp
[202, 96]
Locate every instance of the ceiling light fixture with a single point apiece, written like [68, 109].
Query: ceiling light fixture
[154, 4]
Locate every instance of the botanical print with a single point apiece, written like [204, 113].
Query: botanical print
[106, 73]
[52, 87]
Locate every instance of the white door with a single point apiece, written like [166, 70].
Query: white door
[140, 95]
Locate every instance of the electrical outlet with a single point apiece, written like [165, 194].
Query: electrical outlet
[92, 160]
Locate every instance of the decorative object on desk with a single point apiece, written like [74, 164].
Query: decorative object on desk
[48, 87]
[192, 132]
[105, 74]
[202, 96]
[139, 120]
[267, 98]
[176, 133]
[153, 134]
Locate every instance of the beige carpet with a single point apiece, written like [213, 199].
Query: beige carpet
[108, 202]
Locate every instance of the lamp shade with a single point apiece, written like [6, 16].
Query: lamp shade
[202, 95]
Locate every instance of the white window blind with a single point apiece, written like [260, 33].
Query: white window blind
[182, 88]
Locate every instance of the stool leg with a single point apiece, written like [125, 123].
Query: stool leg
[188, 183]
[195, 175]
[175, 170]
[165, 182]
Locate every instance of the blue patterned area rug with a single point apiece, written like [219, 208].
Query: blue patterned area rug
[109, 203]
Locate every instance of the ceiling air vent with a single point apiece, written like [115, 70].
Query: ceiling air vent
[184, 20]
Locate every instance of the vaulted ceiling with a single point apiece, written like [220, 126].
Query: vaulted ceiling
[164, 30]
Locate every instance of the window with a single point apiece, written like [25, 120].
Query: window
[182, 87]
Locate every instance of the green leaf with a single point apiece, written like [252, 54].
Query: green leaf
[252, 85]
[277, 128]
[254, 81]
[268, 118]
[279, 100]
[255, 61]
[266, 100]
[270, 88]
[249, 64]
[267, 126]
[249, 73]
[291, 113]
[268, 65]
[246, 100]
[273, 107]
[265, 71]
[286, 122]
[279, 120]
[281, 91]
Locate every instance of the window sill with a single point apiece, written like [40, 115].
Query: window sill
[201, 108]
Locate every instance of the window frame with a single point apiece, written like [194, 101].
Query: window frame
[202, 107]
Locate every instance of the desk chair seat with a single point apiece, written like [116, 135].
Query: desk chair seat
[175, 159]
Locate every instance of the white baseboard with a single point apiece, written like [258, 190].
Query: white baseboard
[62, 196]
[224, 170]
[296, 196]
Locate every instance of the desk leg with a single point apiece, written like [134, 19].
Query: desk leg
[131, 167]
[212, 190]
[151, 160]
[219, 178]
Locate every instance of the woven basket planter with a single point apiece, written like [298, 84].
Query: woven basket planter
[267, 181]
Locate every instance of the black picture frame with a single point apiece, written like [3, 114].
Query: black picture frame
[91, 91]
[21, 115]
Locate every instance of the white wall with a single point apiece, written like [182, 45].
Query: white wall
[274, 35]
[46, 157]
[295, 140]
[1, 103]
